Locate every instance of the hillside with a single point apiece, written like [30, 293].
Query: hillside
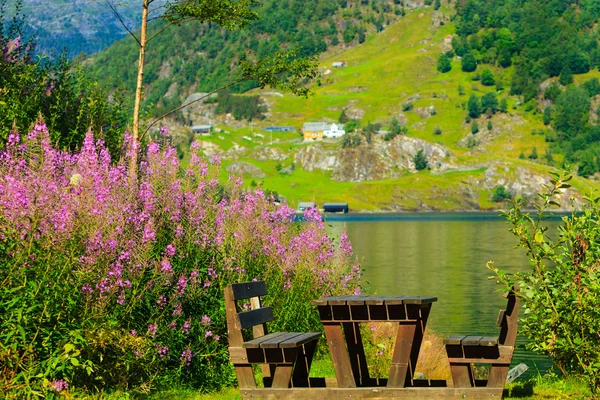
[393, 74]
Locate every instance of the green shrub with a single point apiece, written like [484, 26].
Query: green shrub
[420, 160]
[562, 289]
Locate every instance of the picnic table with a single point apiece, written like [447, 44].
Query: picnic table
[285, 357]
[341, 316]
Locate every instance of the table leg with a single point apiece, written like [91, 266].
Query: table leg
[401, 357]
[356, 350]
[418, 339]
[406, 350]
[339, 355]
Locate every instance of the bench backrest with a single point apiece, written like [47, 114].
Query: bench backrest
[256, 318]
[508, 319]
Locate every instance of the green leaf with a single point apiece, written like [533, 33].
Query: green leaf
[75, 362]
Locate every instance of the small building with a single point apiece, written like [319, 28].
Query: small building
[204, 130]
[339, 64]
[448, 39]
[318, 130]
[305, 205]
[334, 131]
[335, 207]
[279, 128]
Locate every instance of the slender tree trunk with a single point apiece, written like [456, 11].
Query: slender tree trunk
[138, 88]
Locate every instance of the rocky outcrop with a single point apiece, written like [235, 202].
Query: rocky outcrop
[375, 161]
[245, 169]
[526, 183]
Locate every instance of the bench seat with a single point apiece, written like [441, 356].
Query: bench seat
[463, 351]
[283, 340]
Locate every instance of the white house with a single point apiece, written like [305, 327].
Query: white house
[334, 131]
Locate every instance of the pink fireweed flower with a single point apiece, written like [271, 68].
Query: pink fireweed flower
[162, 351]
[208, 334]
[216, 158]
[60, 385]
[178, 310]
[152, 330]
[217, 337]
[173, 325]
[181, 285]
[186, 326]
[170, 250]
[164, 131]
[187, 356]
[165, 266]
[205, 320]
[345, 245]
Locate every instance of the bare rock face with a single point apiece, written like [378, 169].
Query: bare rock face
[526, 183]
[245, 169]
[374, 161]
[268, 153]
[316, 157]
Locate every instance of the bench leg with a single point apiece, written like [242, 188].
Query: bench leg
[498, 374]
[302, 365]
[283, 375]
[462, 375]
[245, 376]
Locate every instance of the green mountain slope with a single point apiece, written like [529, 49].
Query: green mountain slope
[199, 58]
[391, 75]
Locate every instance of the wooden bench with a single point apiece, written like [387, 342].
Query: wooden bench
[463, 351]
[285, 357]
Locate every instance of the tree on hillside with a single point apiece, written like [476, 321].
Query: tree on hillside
[489, 102]
[474, 106]
[487, 78]
[437, 4]
[468, 62]
[444, 64]
[420, 160]
[283, 70]
[343, 117]
[572, 111]
[566, 76]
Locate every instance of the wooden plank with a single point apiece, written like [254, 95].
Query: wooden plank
[356, 352]
[462, 374]
[419, 300]
[283, 376]
[254, 317]
[375, 300]
[300, 340]
[255, 343]
[505, 354]
[429, 393]
[498, 374]
[488, 341]
[500, 319]
[338, 300]
[401, 357]
[454, 340]
[471, 340]
[339, 355]
[246, 290]
[274, 343]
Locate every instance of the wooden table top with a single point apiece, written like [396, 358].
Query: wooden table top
[372, 300]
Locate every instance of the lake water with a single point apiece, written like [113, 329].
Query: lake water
[442, 255]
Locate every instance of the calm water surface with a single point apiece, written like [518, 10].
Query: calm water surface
[442, 255]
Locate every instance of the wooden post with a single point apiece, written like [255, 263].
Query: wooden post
[401, 357]
[339, 355]
[234, 334]
[356, 350]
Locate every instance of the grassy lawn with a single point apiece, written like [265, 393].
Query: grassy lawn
[540, 387]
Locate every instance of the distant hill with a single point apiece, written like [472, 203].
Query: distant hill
[77, 26]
